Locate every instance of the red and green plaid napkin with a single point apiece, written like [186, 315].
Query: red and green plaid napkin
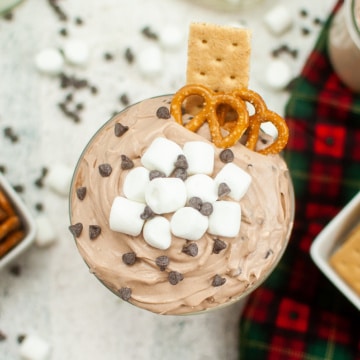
[298, 313]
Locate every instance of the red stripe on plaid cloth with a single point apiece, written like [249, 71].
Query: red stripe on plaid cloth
[329, 140]
[284, 349]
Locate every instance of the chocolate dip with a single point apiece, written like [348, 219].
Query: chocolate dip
[217, 274]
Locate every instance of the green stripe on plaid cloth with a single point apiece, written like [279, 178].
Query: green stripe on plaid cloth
[297, 313]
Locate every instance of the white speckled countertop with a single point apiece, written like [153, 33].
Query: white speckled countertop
[54, 296]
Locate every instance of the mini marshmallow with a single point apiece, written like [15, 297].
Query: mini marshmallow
[125, 216]
[76, 52]
[189, 224]
[34, 347]
[171, 37]
[59, 178]
[150, 61]
[202, 186]
[157, 232]
[236, 178]
[278, 20]
[45, 234]
[165, 195]
[161, 155]
[225, 219]
[49, 61]
[200, 157]
[135, 184]
[278, 74]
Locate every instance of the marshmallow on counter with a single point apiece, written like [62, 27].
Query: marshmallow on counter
[125, 216]
[278, 19]
[200, 157]
[49, 61]
[161, 155]
[76, 52]
[278, 74]
[45, 233]
[135, 183]
[59, 178]
[201, 186]
[165, 195]
[225, 219]
[235, 178]
[33, 347]
[171, 37]
[189, 224]
[150, 61]
[157, 233]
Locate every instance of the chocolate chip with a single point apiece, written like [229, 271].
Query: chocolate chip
[147, 32]
[81, 192]
[120, 129]
[226, 156]
[268, 253]
[79, 21]
[175, 277]
[303, 12]
[63, 32]
[162, 262]
[305, 31]
[129, 258]
[20, 338]
[108, 56]
[3, 169]
[219, 245]
[180, 174]
[94, 231]
[206, 209]
[19, 188]
[129, 56]
[153, 174]
[76, 229]
[223, 189]
[124, 99]
[125, 293]
[190, 249]
[181, 162]
[163, 113]
[10, 134]
[218, 281]
[105, 170]
[94, 90]
[15, 269]
[126, 163]
[147, 213]
[39, 206]
[195, 202]
[3, 336]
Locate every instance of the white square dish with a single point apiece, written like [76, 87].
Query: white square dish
[27, 221]
[330, 238]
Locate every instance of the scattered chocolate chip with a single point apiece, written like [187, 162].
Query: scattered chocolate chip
[268, 253]
[175, 277]
[94, 90]
[76, 229]
[105, 170]
[79, 106]
[8, 16]
[303, 12]
[226, 156]
[81, 192]
[190, 249]
[153, 174]
[124, 99]
[125, 293]
[218, 281]
[318, 21]
[162, 262]
[129, 56]
[3, 169]
[181, 162]
[195, 202]
[10, 134]
[58, 10]
[39, 207]
[147, 32]
[206, 209]
[147, 213]
[79, 21]
[108, 56]
[69, 97]
[180, 173]
[305, 31]
[15, 270]
[20, 338]
[3, 336]
[126, 163]
[223, 189]
[129, 258]
[94, 231]
[19, 188]
[63, 32]
[120, 129]
[40, 181]
[219, 245]
[163, 113]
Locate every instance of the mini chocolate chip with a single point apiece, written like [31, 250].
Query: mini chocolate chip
[94, 231]
[20, 338]
[126, 163]
[163, 113]
[94, 90]
[268, 253]
[108, 56]
[129, 258]
[190, 249]
[305, 31]
[175, 277]
[180, 174]
[195, 202]
[181, 162]
[63, 32]
[129, 56]
[146, 31]
[79, 21]
[153, 174]
[147, 213]
[218, 281]
[120, 129]
[105, 170]
[162, 262]
[3, 169]
[3, 336]
[18, 188]
[81, 192]
[39, 206]
[219, 245]
[79, 106]
[303, 13]
[223, 189]
[206, 209]
[125, 293]
[124, 99]
[76, 229]
[15, 269]
[226, 156]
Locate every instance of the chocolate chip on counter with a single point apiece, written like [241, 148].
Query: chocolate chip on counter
[105, 170]
[180, 173]
[223, 189]
[125, 293]
[79, 21]
[63, 32]
[153, 174]
[8, 16]
[39, 206]
[124, 99]
[190, 249]
[10, 134]
[147, 32]
[195, 202]
[120, 129]
[163, 113]
[15, 270]
[94, 231]
[81, 192]
[108, 56]
[76, 229]
[129, 258]
[20, 338]
[206, 209]
[218, 281]
[147, 213]
[175, 277]
[126, 163]
[181, 162]
[219, 245]
[69, 97]
[94, 90]
[162, 262]
[3, 336]
[2, 169]
[318, 21]
[305, 31]
[79, 106]
[129, 56]
[226, 156]
[303, 12]
[19, 188]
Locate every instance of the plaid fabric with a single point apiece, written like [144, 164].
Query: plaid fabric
[298, 313]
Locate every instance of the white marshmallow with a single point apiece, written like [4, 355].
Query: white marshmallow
[236, 178]
[225, 219]
[59, 178]
[150, 61]
[49, 61]
[161, 155]
[135, 184]
[200, 157]
[171, 37]
[34, 347]
[45, 233]
[125, 216]
[165, 195]
[76, 52]
[157, 232]
[278, 74]
[278, 19]
[189, 224]
[202, 186]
